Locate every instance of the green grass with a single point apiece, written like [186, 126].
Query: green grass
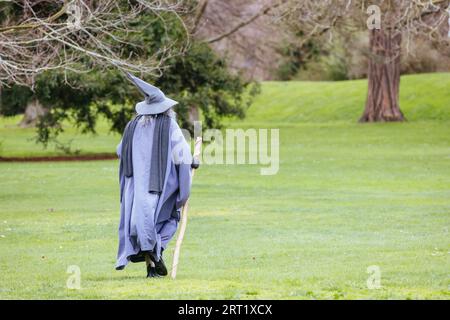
[19, 142]
[422, 97]
[347, 196]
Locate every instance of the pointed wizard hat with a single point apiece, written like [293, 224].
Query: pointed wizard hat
[155, 101]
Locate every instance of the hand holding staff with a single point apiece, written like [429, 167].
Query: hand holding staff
[184, 212]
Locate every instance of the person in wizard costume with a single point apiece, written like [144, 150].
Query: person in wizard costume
[155, 180]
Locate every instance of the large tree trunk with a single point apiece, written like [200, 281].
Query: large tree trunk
[33, 111]
[384, 78]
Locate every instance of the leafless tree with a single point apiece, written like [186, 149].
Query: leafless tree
[243, 32]
[391, 23]
[75, 35]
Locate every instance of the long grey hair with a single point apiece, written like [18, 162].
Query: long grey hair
[148, 117]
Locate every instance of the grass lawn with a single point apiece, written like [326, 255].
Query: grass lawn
[19, 142]
[347, 196]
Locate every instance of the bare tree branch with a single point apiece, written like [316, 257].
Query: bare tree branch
[244, 23]
[81, 35]
[37, 24]
[199, 15]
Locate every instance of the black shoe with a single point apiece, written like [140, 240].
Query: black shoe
[151, 272]
[160, 267]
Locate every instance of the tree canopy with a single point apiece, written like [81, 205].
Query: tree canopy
[193, 75]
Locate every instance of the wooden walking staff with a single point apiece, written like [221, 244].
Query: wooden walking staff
[184, 212]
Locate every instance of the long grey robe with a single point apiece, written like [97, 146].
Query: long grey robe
[148, 221]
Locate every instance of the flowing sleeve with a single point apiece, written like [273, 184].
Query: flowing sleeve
[182, 158]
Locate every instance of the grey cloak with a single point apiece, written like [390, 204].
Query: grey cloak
[147, 220]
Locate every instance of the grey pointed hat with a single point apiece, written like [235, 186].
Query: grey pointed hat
[155, 101]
